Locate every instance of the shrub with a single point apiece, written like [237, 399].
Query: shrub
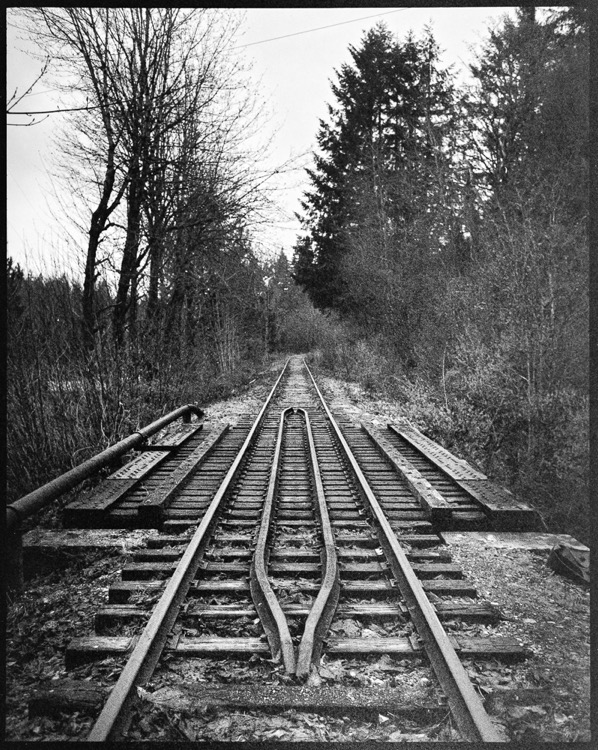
[66, 404]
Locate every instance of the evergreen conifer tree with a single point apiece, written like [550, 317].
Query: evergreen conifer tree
[384, 131]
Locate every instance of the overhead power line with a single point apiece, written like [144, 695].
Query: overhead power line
[319, 28]
[241, 46]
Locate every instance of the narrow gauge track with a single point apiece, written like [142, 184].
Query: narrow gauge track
[295, 534]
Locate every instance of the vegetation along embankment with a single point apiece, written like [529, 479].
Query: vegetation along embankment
[442, 261]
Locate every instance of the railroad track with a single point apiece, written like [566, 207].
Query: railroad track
[292, 540]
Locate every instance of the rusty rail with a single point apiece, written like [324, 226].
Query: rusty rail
[467, 709]
[267, 605]
[43, 496]
[115, 715]
[322, 611]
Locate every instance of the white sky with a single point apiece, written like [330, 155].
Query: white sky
[295, 74]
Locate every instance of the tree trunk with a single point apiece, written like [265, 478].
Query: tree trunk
[155, 253]
[99, 219]
[128, 268]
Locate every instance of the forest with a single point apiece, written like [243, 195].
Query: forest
[442, 259]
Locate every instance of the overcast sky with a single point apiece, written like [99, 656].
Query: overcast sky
[295, 73]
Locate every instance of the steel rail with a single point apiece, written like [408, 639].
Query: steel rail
[466, 707]
[114, 718]
[39, 498]
[268, 607]
[324, 606]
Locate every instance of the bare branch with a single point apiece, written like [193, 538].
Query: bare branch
[14, 100]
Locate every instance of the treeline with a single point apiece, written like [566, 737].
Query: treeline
[159, 151]
[443, 256]
[66, 403]
[172, 304]
[446, 229]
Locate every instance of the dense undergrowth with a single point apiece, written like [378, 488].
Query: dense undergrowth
[538, 450]
[443, 263]
[60, 420]
[450, 239]
[65, 405]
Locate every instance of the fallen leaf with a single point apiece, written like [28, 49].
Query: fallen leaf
[367, 633]
[348, 627]
[561, 719]
[537, 710]
[314, 679]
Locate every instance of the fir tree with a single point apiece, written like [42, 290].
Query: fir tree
[385, 128]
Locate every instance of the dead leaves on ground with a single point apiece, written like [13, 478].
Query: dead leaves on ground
[161, 723]
[358, 628]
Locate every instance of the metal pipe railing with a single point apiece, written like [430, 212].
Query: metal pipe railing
[38, 499]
